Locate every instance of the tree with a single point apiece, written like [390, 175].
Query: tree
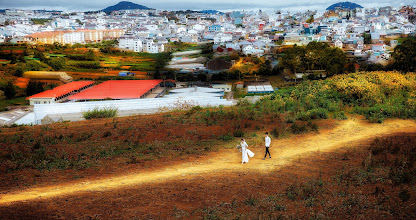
[367, 38]
[334, 60]
[202, 77]
[294, 58]
[22, 59]
[310, 20]
[57, 63]
[404, 56]
[265, 68]
[157, 75]
[315, 56]
[13, 58]
[34, 87]
[90, 55]
[33, 65]
[31, 88]
[9, 91]
[19, 70]
[161, 61]
[40, 56]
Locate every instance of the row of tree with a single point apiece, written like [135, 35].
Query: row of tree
[314, 56]
[32, 88]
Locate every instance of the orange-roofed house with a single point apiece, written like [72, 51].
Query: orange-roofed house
[60, 93]
[239, 85]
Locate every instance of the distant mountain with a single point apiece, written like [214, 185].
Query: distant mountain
[124, 5]
[344, 5]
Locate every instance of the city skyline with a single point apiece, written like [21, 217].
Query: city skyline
[95, 5]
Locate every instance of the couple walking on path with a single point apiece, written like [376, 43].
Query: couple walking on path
[248, 153]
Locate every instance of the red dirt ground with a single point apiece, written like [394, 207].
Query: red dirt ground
[217, 184]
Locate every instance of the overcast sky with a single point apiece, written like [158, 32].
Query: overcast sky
[284, 5]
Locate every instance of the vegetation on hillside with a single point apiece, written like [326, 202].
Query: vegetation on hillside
[377, 95]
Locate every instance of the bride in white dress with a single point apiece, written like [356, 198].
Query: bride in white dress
[245, 151]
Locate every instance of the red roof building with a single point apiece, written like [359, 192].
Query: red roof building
[118, 89]
[59, 93]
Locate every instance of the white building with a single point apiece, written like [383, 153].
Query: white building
[73, 37]
[152, 47]
[225, 87]
[130, 42]
[222, 38]
[378, 47]
[338, 43]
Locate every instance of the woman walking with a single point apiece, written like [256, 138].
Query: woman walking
[245, 151]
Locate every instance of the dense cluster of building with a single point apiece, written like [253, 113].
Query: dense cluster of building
[251, 32]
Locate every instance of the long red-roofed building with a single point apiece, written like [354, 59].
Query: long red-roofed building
[118, 89]
[59, 93]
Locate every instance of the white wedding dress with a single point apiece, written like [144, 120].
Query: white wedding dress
[245, 152]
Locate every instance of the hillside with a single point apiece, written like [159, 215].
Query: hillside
[327, 161]
[124, 5]
[336, 173]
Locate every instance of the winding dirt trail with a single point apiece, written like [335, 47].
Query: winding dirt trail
[284, 151]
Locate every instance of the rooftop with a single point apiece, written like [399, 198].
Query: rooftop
[62, 90]
[117, 89]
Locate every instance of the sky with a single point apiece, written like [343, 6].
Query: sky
[228, 5]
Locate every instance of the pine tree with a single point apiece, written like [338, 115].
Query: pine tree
[9, 91]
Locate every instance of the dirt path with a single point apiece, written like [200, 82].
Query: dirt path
[228, 160]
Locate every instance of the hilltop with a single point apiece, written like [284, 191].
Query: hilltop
[344, 5]
[124, 5]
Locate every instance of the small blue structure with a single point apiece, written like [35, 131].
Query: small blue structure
[214, 28]
[126, 73]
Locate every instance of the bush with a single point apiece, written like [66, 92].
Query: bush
[238, 133]
[404, 195]
[340, 115]
[194, 109]
[319, 113]
[298, 129]
[100, 113]
[275, 133]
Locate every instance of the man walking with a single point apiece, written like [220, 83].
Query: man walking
[267, 141]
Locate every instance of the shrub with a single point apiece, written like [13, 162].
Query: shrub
[225, 137]
[107, 134]
[100, 113]
[238, 133]
[340, 115]
[404, 195]
[194, 109]
[319, 113]
[298, 129]
[290, 119]
[275, 133]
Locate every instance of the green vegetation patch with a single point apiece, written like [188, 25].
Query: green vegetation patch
[100, 113]
[41, 21]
